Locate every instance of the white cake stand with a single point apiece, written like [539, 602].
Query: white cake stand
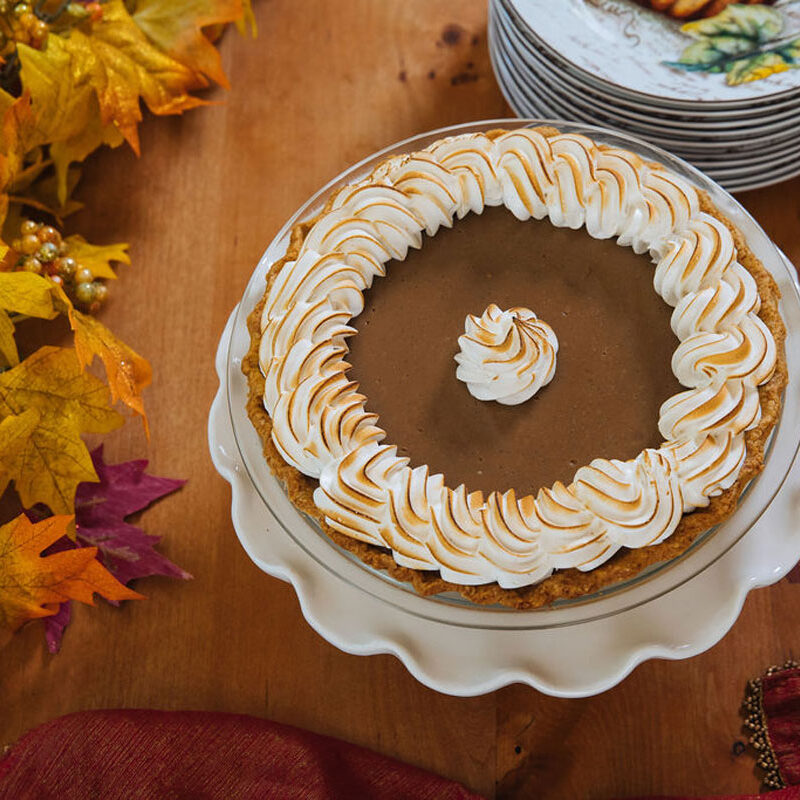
[463, 649]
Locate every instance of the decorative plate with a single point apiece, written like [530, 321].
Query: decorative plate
[454, 646]
[746, 53]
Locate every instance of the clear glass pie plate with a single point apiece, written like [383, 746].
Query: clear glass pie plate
[464, 648]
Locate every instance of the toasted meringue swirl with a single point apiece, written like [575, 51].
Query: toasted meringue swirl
[506, 356]
[321, 424]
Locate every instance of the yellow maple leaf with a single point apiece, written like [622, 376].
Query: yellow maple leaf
[16, 131]
[97, 258]
[122, 67]
[22, 293]
[127, 372]
[15, 430]
[27, 293]
[47, 194]
[70, 402]
[176, 26]
[8, 347]
[66, 109]
[29, 582]
[248, 19]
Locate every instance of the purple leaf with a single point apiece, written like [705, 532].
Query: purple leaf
[54, 626]
[124, 549]
[128, 552]
[123, 489]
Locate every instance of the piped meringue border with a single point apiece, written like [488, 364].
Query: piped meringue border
[508, 517]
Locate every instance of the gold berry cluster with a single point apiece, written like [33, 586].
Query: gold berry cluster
[43, 251]
[25, 21]
[22, 25]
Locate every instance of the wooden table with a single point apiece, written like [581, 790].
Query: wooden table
[325, 84]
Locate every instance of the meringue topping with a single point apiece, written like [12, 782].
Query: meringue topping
[506, 356]
[321, 424]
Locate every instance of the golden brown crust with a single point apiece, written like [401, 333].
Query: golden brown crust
[563, 584]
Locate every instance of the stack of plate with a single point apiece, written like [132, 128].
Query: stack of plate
[613, 63]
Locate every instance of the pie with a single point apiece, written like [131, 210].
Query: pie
[519, 365]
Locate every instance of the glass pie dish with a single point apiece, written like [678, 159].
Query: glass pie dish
[361, 609]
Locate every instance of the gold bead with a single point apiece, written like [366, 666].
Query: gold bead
[66, 267]
[83, 275]
[29, 226]
[47, 252]
[84, 293]
[32, 264]
[29, 243]
[49, 234]
[100, 292]
[20, 9]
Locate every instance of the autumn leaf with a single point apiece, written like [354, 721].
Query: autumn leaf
[101, 508]
[27, 293]
[8, 346]
[122, 67]
[22, 293]
[248, 19]
[15, 430]
[46, 195]
[67, 112]
[30, 584]
[55, 625]
[176, 27]
[70, 402]
[97, 258]
[127, 372]
[36, 164]
[16, 128]
[100, 511]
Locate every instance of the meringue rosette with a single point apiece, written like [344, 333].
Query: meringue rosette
[506, 356]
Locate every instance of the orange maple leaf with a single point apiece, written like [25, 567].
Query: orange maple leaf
[30, 582]
[178, 28]
[127, 372]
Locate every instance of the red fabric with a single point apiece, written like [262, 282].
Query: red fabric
[781, 704]
[789, 793]
[171, 755]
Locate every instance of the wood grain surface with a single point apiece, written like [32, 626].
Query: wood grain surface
[325, 84]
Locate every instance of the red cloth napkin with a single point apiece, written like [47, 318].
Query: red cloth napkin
[172, 755]
[789, 793]
[773, 706]
[177, 755]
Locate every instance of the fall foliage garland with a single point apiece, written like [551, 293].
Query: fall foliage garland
[73, 76]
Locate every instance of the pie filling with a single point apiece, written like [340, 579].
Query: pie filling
[615, 347]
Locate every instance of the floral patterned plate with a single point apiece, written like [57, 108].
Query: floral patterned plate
[688, 139]
[777, 116]
[746, 53]
[743, 158]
